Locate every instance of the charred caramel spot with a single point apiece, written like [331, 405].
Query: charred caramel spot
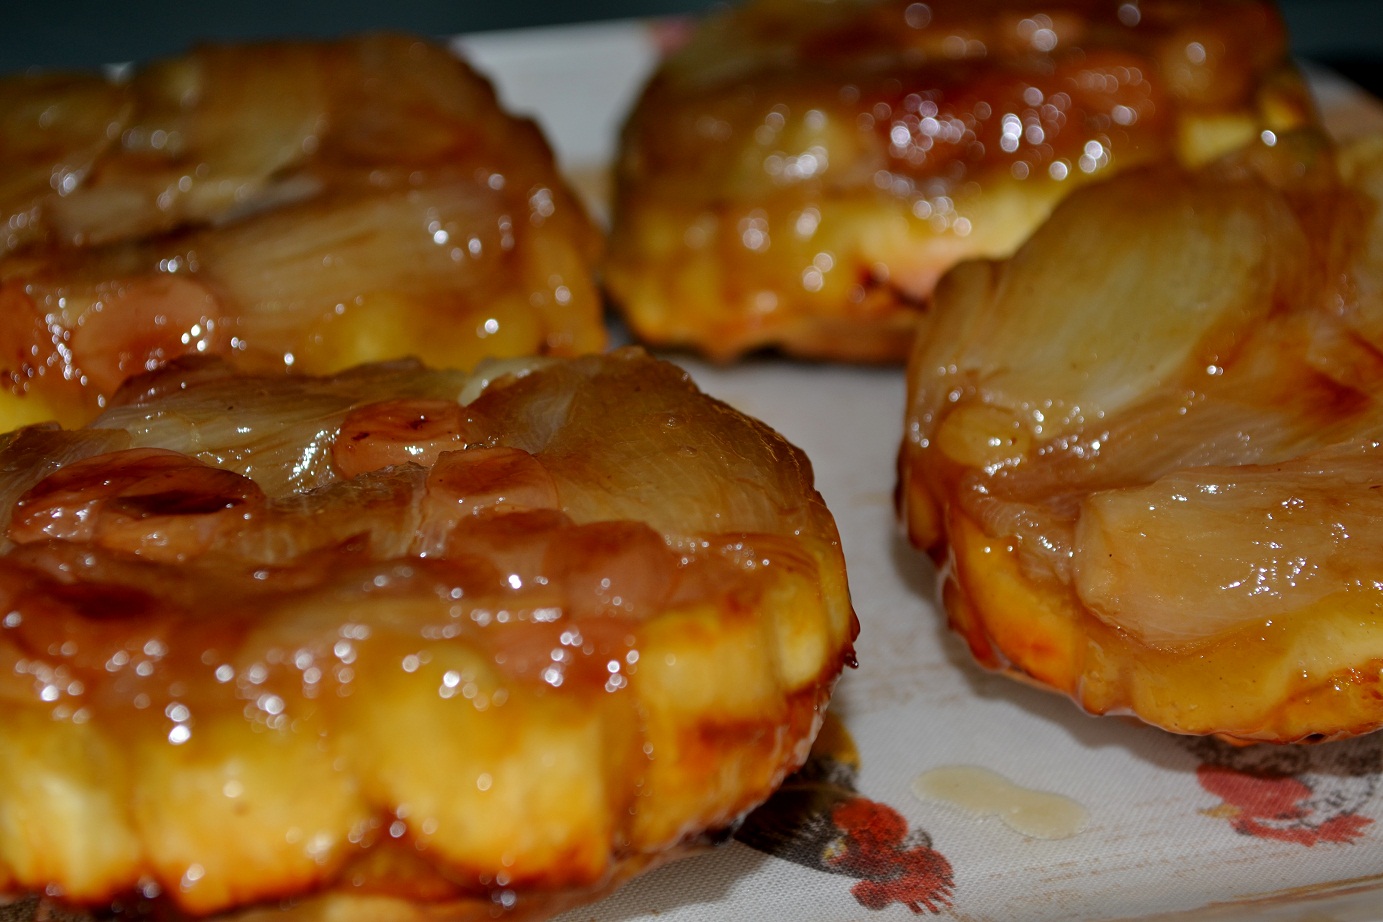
[401, 431]
[102, 601]
[141, 500]
[175, 502]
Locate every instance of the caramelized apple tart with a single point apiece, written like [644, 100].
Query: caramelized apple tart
[401, 643]
[800, 173]
[290, 206]
[1149, 446]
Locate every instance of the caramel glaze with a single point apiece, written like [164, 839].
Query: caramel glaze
[505, 661]
[291, 206]
[823, 164]
[1072, 73]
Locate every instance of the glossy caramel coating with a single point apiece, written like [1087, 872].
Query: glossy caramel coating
[292, 206]
[560, 622]
[1147, 446]
[801, 173]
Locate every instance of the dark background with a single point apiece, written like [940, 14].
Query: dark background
[1346, 34]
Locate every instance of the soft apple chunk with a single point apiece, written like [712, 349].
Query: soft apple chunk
[1198, 261]
[1200, 553]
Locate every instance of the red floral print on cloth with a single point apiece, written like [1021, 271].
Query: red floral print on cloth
[1278, 807]
[1304, 795]
[818, 819]
[894, 865]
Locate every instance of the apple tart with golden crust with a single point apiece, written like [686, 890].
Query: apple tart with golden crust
[799, 174]
[290, 206]
[401, 643]
[1150, 446]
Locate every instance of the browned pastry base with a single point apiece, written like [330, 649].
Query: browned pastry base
[402, 637]
[1148, 447]
[364, 906]
[800, 174]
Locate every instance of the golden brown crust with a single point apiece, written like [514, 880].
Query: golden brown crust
[518, 650]
[800, 174]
